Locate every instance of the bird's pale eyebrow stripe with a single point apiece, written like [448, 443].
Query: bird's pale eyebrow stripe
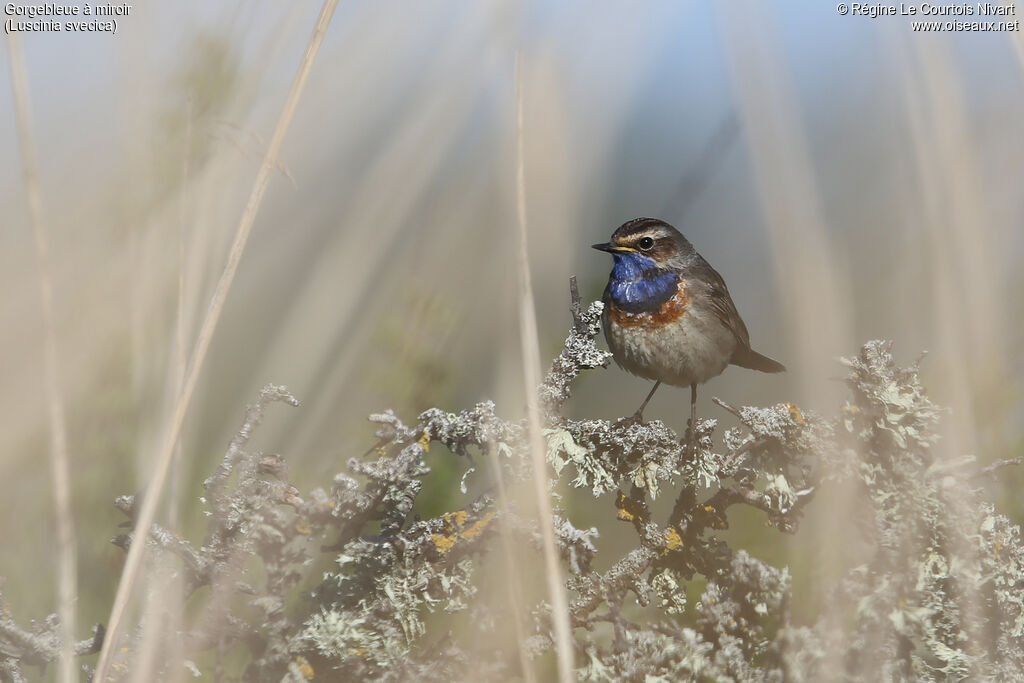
[632, 240]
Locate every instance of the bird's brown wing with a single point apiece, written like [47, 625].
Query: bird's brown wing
[725, 310]
[721, 303]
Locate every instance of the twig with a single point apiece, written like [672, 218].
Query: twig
[133, 562]
[60, 469]
[196, 564]
[215, 484]
[531, 372]
[37, 648]
[684, 502]
[618, 579]
[578, 354]
[723, 404]
[998, 465]
[576, 307]
[91, 646]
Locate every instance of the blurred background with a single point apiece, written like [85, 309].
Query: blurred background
[849, 177]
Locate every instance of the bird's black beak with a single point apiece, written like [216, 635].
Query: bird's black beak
[604, 246]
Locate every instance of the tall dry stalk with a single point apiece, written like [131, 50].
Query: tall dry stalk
[60, 468]
[144, 521]
[1017, 43]
[178, 358]
[163, 611]
[531, 375]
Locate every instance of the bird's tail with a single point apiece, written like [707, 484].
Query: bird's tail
[748, 358]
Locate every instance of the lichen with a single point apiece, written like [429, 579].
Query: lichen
[940, 597]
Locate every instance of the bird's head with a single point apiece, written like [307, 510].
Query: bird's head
[646, 243]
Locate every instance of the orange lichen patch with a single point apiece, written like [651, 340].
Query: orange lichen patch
[304, 667]
[444, 543]
[673, 541]
[424, 442]
[621, 501]
[456, 530]
[709, 508]
[457, 518]
[795, 414]
[478, 526]
[851, 408]
[671, 310]
[628, 509]
[303, 528]
[381, 451]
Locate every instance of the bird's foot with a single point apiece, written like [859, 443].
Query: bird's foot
[636, 418]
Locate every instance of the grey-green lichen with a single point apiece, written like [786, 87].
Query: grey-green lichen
[940, 597]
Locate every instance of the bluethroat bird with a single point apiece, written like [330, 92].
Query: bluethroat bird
[668, 315]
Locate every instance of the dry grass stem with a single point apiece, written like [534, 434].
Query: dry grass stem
[517, 602]
[67, 564]
[133, 562]
[532, 378]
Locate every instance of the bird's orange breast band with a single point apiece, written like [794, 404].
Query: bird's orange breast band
[673, 309]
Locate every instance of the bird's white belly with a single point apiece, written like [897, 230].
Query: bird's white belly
[689, 350]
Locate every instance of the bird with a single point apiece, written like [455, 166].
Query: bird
[668, 315]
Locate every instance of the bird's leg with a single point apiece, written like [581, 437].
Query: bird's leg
[693, 419]
[638, 416]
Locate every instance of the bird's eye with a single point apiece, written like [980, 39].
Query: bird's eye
[645, 243]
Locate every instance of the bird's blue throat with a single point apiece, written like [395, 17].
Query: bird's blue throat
[638, 285]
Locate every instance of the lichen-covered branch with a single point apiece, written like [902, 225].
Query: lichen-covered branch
[578, 354]
[38, 646]
[354, 581]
